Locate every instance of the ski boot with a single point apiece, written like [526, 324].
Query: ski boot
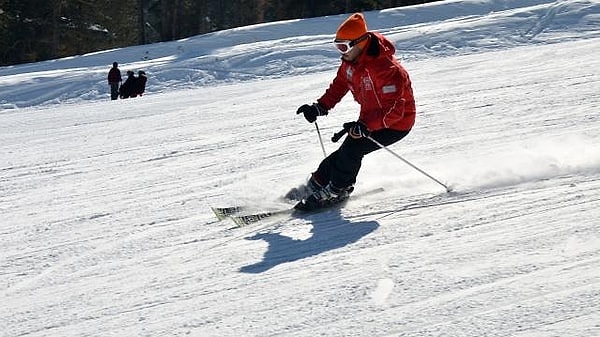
[303, 191]
[325, 197]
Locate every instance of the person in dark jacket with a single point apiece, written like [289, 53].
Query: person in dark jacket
[140, 84]
[114, 79]
[382, 88]
[128, 86]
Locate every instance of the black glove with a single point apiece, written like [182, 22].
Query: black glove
[312, 111]
[357, 130]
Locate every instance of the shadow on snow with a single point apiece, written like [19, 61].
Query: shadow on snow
[327, 234]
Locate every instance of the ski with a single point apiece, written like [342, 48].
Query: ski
[247, 219]
[235, 212]
[223, 213]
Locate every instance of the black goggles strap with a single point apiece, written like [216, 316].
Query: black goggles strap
[359, 40]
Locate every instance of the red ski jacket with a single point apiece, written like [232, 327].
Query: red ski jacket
[379, 84]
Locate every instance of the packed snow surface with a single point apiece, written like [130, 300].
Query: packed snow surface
[106, 226]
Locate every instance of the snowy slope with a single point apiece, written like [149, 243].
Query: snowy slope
[284, 49]
[106, 228]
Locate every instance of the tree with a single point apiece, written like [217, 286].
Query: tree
[33, 30]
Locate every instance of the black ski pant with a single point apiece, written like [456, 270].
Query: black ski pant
[114, 90]
[342, 166]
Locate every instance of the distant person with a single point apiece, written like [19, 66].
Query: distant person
[128, 86]
[382, 88]
[140, 84]
[114, 79]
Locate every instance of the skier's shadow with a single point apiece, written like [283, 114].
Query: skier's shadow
[328, 233]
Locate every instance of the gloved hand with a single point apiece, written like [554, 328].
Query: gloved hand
[357, 130]
[312, 111]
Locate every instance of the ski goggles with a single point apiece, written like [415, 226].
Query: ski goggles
[345, 46]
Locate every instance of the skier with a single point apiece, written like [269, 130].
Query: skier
[114, 79]
[382, 88]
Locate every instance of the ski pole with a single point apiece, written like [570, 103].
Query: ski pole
[320, 139]
[448, 189]
[341, 133]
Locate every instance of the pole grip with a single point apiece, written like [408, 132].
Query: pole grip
[338, 135]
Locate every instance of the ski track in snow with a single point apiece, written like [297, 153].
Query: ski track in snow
[106, 223]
